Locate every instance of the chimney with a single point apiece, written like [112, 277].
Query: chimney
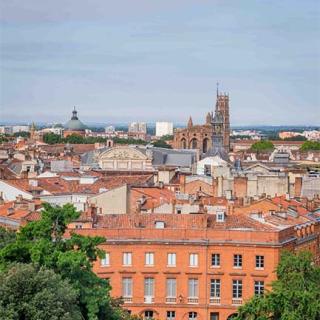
[10, 211]
[1, 198]
[31, 206]
[19, 198]
[297, 187]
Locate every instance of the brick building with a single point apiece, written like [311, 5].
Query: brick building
[196, 267]
[200, 136]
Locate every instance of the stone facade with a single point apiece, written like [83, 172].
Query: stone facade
[200, 136]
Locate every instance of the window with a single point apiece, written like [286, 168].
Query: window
[259, 262]
[171, 259]
[214, 315]
[192, 315]
[148, 315]
[148, 287]
[149, 259]
[220, 217]
[159, 225]
[193, 260]
[237, 260]
[215, 287]
[215, 260]
[106, 260]
[259, 287]
[127, 287]
[171, 288]
[171, 315]
[127, 259]
[193, 288]
[237, 289]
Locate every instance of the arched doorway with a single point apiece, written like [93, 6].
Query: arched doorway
[205, 145]
[194, 143]
[183, 143]
[232, 316]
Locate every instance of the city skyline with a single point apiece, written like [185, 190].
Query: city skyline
[160, 61]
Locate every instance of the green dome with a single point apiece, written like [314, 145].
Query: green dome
[75, 124]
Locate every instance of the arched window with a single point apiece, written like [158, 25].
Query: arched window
[205, 145]
[192, 315]
[183, 143]
[194, 143]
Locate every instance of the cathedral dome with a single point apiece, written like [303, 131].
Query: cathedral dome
[75, 124]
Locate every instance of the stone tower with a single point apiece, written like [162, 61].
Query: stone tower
[222, 105]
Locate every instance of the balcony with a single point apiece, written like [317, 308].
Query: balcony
[193, 300]
[148, 299]
[127, 299]
[171, 299]
[236, 301]
[215, 300]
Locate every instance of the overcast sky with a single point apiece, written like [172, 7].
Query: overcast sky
[150, 60]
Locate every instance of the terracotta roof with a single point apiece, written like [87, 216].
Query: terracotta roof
[58, 185]
[294, 204]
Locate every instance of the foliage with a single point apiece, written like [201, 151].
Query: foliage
[161, 144]
[310, 145]
[167, 137]
[23, 134]
[294, 296]
[52, 138]
[6, 237]
[128, 141]
[27, 292]
[43, 244]
[296, 138]
[262, 146]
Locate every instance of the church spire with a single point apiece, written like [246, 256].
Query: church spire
[190, 123]
[217, 89]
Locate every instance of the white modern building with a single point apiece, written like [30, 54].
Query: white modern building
[137, 127]
[164, 128]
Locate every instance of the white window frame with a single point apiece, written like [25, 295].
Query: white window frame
[105, 262]
[193, 260]
[237, 261]
[193, 288]
[149, 259]
[149, 287]
[171, 287]
[259, 262]
[171, 259]
[237, 286]
[127, 259]
[127, 287]
[214, 258]
[215, 288]
[259, 287]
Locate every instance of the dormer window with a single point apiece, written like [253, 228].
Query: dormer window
[159, 224]
[220, 216]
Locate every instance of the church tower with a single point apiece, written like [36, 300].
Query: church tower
[222, 105]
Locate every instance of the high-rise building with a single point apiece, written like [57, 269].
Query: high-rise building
[137, 127]
[164, 128]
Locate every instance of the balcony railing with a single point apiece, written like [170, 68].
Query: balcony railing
[237, 301]
[171, 300]
[127, 299]
[193, 300]
[215, 300]
[148, 299]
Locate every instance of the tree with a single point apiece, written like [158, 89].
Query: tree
[161, 144]
[52, 138]
[28, 293]
[310, 145]
[6, 237]
[43, 243]
[74, 139]
[24, 134]
[295, 294]
[262, 146]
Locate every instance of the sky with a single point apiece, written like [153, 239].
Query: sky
[160, 60]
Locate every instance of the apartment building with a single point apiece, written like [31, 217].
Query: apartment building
[195, 267]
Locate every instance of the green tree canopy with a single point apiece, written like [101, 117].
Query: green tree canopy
[262, 146]
[295, 294]
[52, 138]
[310, 145]
[43, 244]
[28, 293]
